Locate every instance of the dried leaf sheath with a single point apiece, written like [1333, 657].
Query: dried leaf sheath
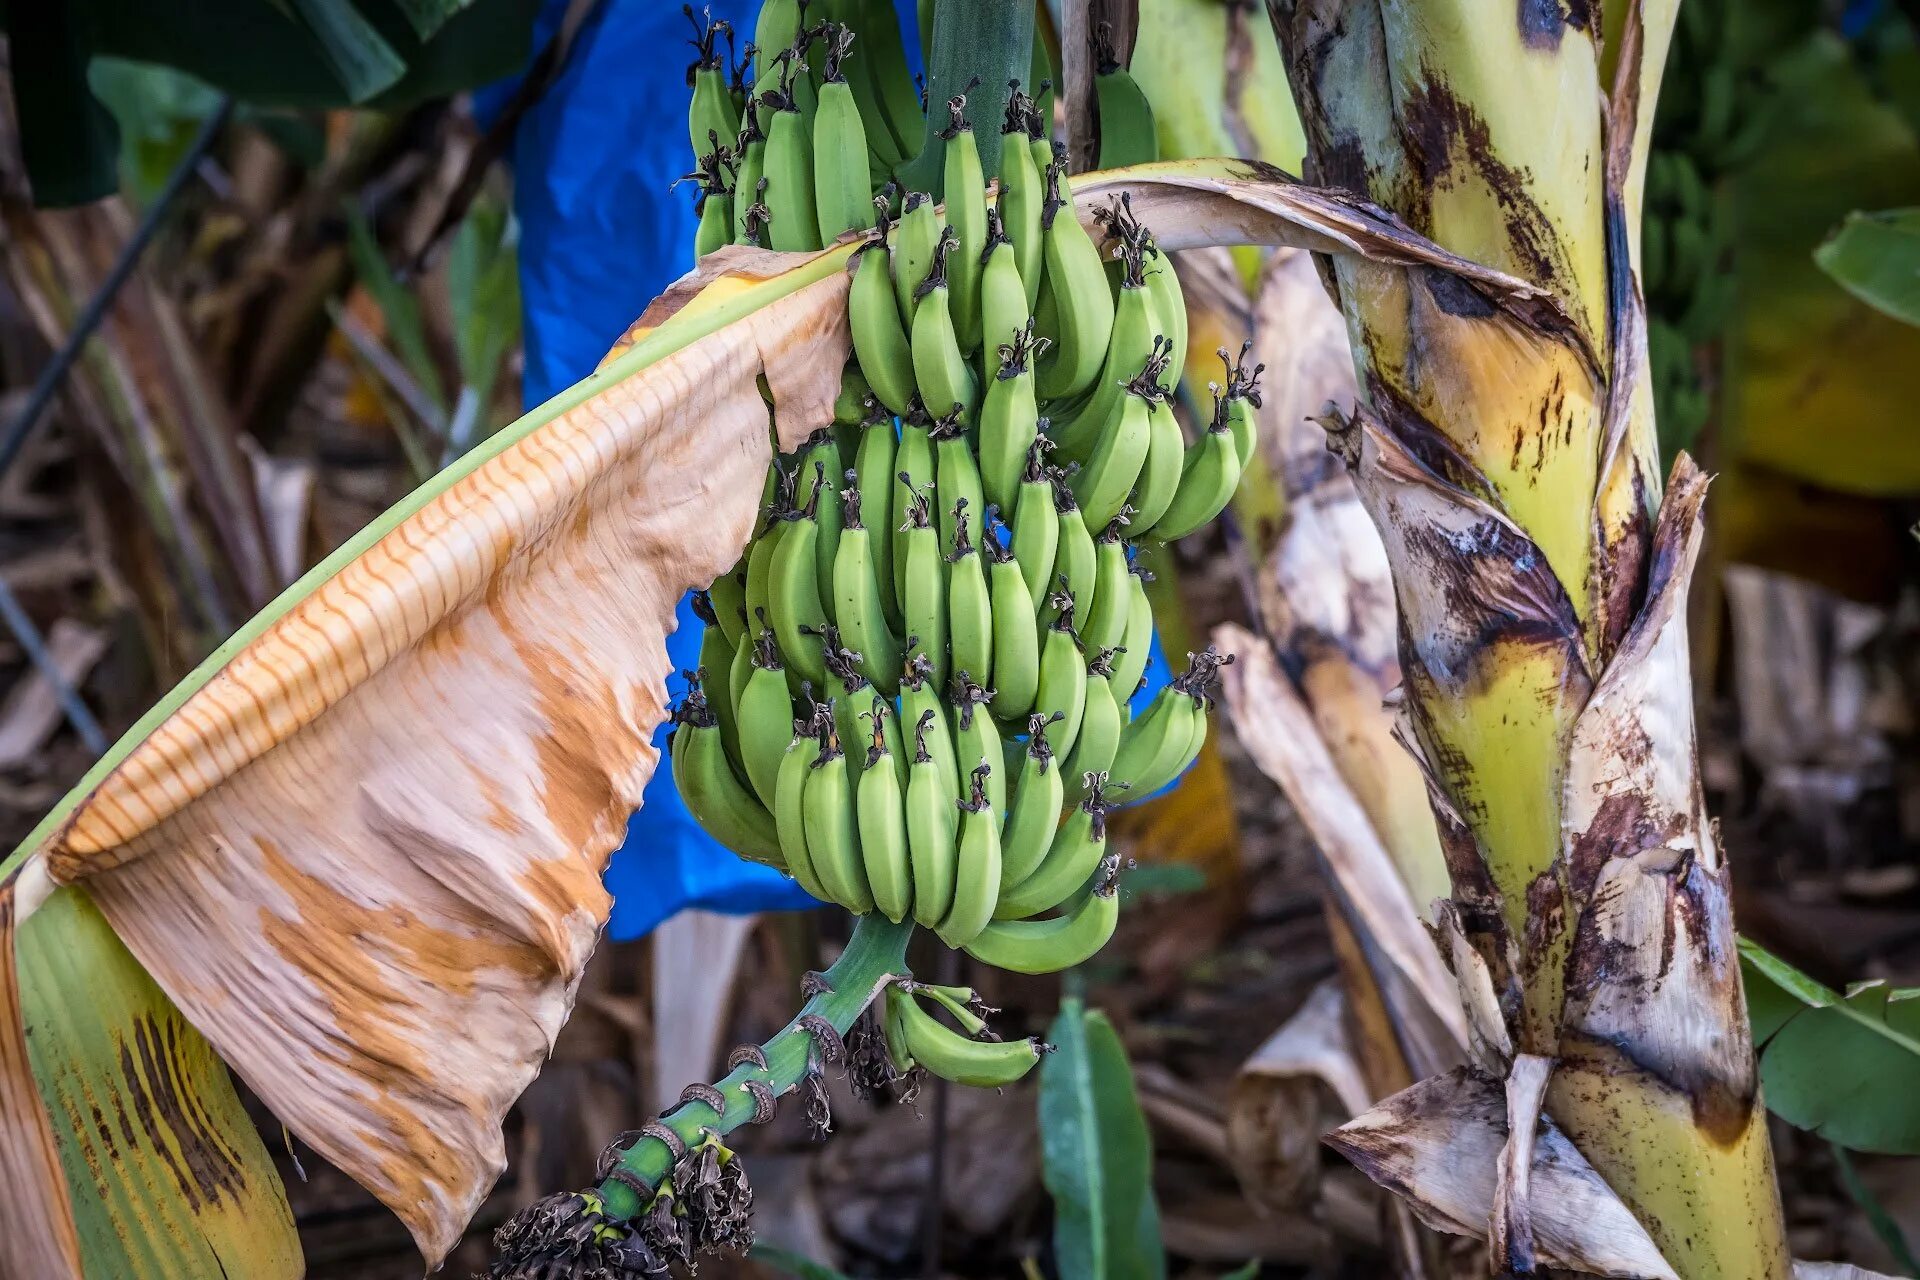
[37, 1236]
[365, 857]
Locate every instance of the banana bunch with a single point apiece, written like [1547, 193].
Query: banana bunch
[914, 691]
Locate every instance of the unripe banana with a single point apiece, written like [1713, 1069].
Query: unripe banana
[1062, 690]
[880, 803]
[1039, 793]
[875, 466]
[1105, 624]
[940, 372]
[716, 797]
[766, 545]
[1241, 397]
[750, 185]
[976, 738]
[1016, 629]
[857, 608]
[1077, 283]
[842, 181]
[1158, 747]
[983, 1064]
[914, 241]
[923, 601]
[728, 596]
[913, 471]
[833, 835]
[879, 28]
[977, 879]
[1126, 118]
[1100, 725]
[1136, 645]
[1009, 417]
[969, 607]
[717, 663]
[880, 340]
[1103, 484]
[1005, 314]
[793, 588]
[958, 473]
[1048, 946]
[712, 115]
[1036, 525]
[716, 203]
[1022, 193]
[1209, 474]
[963, 1003]
[789, 816]
[1078, 426]
[919, 695]
[1159, 477]
[765, 718]
[1071, 859]
[965, 189]
[823, 451]
[1074, 560]
[778, 24]
[933, 823]
[793, 223]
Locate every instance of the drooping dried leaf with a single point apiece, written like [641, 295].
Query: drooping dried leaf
[1281, 1094]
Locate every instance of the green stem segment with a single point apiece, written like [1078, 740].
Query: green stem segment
[875, 956]
[990, 41]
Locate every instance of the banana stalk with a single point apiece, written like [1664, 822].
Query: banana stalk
[1509, 462]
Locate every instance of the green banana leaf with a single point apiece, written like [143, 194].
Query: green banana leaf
[1843, 1066]
[1876, 258]
[1098, 1157]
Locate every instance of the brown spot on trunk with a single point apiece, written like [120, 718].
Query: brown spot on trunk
[1541, 23]
[1546, 919]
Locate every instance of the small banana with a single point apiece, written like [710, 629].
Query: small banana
[1166, 303]
[879, 27]
[914, 242]
[875, 465]
[1160, 474]
[1102, 486]
[765, 712]
[766, 542]
[1082, 305]
[1048, 946]
[975, 736]
[1074, 558]
[833, 835]
[714, 794]
[1009, 417]
[1157, 747]
[793, 587]
[933, 824]
[842, 180]
[880, 803]
[1079, 426]
[1039, 793]
[717, 661]
[965, 189]
[716, 201]
[957, 471]
[1242, 396]
[749, 182]
[1105, 623]
[1100, 725]
[1036, 525]
[712, 115]
[880, 340]
[963, 1003]
[977, 878]
[969, 607]
[728, 596]
[1016, 629]
[921, 698]
[940, 372]
[789, 818]
[1062, 691]
[1126, 118]
[822, 451]
[1005, 313]
[926, 1042]
[1136, 645]
[913, 471]
[923, 600]
[1022, 193]
[856, 591]
[1208, 476]
[792, 221]
[1071, 859]
[778, 24]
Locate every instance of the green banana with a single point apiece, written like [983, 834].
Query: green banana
[766, 543]
[1036, 525]
[789, 819]
[822, 450]
[963, 1003]
[977, 879]
[1005, 313]
[833, 836]
[1160, 474]
[1048, 946]
[921, 697]
[1074, 558]
[1126, 118]
[793, 588]
[1241, 397]
[1009, 417]
[969, 607]
[712, 115]
[1209, 474]
[1039, 793]
[1105, 623]
[1100, 725]
[1102, 485]
[1016, 629]
[1079, 426]
[716, 202]
[728, 596]
[842, 179]
[1022, 193]
[983, 1064]
[923, 600]
[940, 372]
[856, 593]
[914, 240]
[716, 797]
[913, 471]
[1062, 689]
[1077, 850]
[879, 26]
[957, 472]
[750, 185]
[1082, 305]
[1046, 153]
[1136, 644]
[875, 461]
[765, 714]
[933, 825]
[793, 223]
[717, 661]
[965, 189]
[1157, 747]
[880, 340]
[778, 24]
[975, 736]
[881, 147]
[880, 803]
